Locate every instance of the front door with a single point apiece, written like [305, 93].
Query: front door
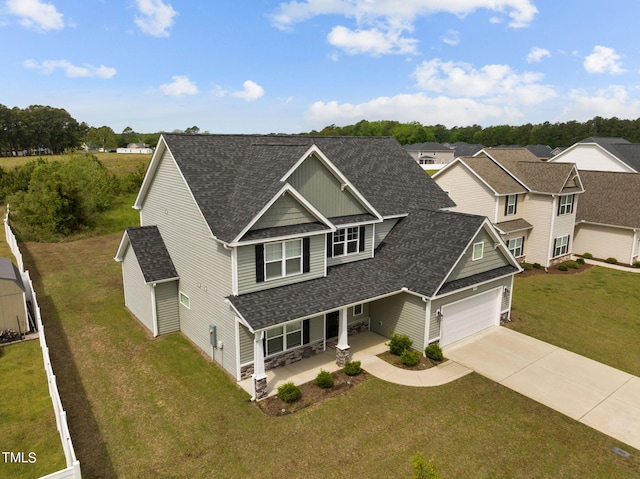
[333, 324]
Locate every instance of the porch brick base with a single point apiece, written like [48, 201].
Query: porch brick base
[358, 327]
[342, 356]
[260, 386]
[504, 318]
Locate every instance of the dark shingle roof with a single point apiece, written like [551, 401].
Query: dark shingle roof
[10, 272]
[610, 198]
[514, 225]
[418, 254]
[428, 146]
[232, 177]
[465, 149]
[151, 253]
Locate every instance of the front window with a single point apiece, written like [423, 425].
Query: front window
[512, 202]
[515, 246]
[566, 205]
[478, 251]
[345, 241]
[562, 246]
[357, 310]
[283, 337]
[282, 259]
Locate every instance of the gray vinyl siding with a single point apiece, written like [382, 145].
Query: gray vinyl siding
[402, 314]
[246, 344]
[365, 314]
[434, 323]
[492, 258]
[203, 264]
[137, 294]
[323, 190]
[167, 307]
[349, 258]
[247, 267]
[285, 211]
[382, 230]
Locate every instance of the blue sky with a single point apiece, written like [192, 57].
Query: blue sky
[262, 66]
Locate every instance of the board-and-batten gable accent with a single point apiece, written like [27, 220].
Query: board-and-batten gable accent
[498, 243]
[286, 188]
[345, 183]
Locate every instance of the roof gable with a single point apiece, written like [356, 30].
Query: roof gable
[150, 251]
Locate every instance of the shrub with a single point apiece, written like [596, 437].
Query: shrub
[580, 261]
[526, 266]
[572, 264]
[537, 265]
[352, 368]
[563, 267]
[611, 260]
[289, 392]
[587, 255]
[399, 343]
[324, 379]
[434, 352]
[424, 469]
[410, 357]
[636, 264]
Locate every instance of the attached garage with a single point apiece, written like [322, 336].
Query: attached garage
[470, 315]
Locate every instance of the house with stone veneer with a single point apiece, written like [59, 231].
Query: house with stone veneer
[264, 249]
[532, 203]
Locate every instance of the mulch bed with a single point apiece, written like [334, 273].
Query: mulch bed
[553, 270]
[312, 394]
[425, 362]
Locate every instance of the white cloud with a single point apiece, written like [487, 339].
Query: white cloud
[157, 17]
[495, 83]
[451, 38]
[603, 60]
[250, 91]
[614, 100]
[381, 24]
[36, 14]
[181, 85]
[72, 71]
[537, 54]
[372, 41]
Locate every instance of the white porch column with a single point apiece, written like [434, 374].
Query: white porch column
[342, 349]
[259, 376]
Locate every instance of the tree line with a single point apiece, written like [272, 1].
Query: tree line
[562, 134]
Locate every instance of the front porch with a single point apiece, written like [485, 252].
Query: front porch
[361, 346]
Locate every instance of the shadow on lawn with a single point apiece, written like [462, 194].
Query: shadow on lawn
[90, 449]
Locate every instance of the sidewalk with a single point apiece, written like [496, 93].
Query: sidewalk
[628, 269]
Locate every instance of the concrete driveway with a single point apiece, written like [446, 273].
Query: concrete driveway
[597, 395]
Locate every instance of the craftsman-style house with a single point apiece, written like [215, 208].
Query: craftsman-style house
[261, 249]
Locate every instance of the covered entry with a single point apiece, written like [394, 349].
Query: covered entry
[471, 315]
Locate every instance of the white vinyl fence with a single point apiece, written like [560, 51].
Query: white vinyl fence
[72, 470]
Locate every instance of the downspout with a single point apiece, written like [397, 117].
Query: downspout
[427, 323]
[634, 244]
[554, 211]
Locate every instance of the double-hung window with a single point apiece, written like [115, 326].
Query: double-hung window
[511, 205]
[283, 258]
[283, 337]
[561, 245]
[345, 241]
[565, 206]
[516, 246]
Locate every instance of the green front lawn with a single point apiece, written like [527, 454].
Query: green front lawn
[594, 313]
[27, 422]
[147, 408]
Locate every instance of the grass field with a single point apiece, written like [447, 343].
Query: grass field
[27, 422]
[593, 313]
[119, 163]
[148, 408]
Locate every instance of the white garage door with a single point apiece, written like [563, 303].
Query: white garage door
[468, 316]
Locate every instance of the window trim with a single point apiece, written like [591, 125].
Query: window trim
[509, 205]
[474, 257]
[283, 259]
[361, 306]
[565, 204]
[558, 248]
[521, 247]
[285, 337]
[186, 304]
[346, 241]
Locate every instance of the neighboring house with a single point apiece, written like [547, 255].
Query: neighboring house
[140, 148]
[13, 304]
[543, 152]
[530, 201]
[430, 155]
[264, 249]
[602, 154]
[461, 148]
[608, 216]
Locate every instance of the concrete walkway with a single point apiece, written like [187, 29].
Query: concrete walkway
[592, 393]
